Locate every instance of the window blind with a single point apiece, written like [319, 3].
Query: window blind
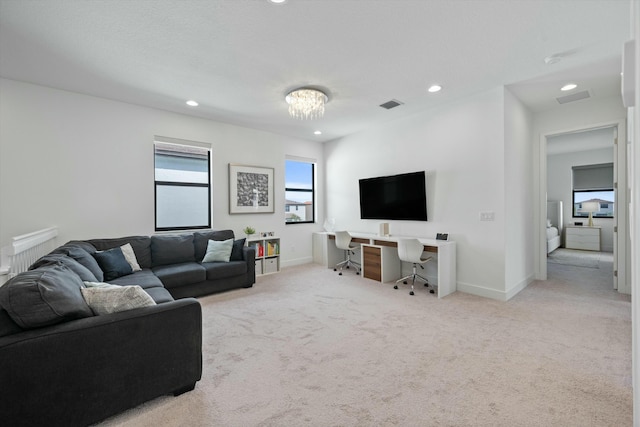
[593, 177]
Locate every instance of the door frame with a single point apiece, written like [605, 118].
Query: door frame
[621, 237]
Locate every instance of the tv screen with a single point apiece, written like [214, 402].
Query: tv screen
[396, 197]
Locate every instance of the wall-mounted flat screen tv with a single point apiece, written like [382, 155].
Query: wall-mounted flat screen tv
[396, 197]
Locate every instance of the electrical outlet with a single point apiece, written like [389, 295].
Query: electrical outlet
[487, 216]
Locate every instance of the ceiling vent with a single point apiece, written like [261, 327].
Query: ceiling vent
[391, 104]
[574, 97]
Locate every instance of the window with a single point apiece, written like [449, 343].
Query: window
[182, 186]
[299, 191]
[594, 184]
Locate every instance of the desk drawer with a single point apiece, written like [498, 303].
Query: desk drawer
[372, 268]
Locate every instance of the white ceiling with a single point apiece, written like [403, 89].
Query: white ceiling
[238, 58]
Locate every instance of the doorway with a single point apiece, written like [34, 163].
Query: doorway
[558, 151]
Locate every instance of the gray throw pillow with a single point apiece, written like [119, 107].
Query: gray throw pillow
[218, 251]
[113, 263]
[44, 296]
[104, 298]
[237, 251]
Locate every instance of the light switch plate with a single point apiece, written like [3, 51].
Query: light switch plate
[487, 216]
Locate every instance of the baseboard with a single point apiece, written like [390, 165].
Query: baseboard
[297, 261]
[495, 294]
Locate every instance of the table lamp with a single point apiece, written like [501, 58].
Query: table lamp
[590, 207]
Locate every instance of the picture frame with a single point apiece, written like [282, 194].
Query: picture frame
[250, 189]
[442, 236]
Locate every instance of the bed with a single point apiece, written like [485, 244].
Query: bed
[554, 225]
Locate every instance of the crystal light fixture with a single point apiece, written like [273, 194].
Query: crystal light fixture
[306, 103]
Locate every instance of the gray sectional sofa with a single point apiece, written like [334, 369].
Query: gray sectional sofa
[74, 350]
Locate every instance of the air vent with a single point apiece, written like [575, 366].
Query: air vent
[391, 104]
[574, 97]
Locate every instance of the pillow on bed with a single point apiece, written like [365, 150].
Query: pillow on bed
[548, 223]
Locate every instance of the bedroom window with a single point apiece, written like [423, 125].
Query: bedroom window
[299, 191]
[593, 184]
[182, 185]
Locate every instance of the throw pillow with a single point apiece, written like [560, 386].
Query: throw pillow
[218, 251]
[104, 298]
[113, 263]
[130, 256]
[83, 272]
[84, 258]
[44, 296]
[236, 252]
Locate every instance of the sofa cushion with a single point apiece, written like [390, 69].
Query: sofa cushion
[83, 257]
[218, 251]
[141, 247]
[237, 251]
[159, 294]
[143, 278]
[44, 296]
[172, 249]
[201, 240]
[222, 270]
[7, 325]
[104, 298]
[113, 263]
[83, 272]
[186, 273]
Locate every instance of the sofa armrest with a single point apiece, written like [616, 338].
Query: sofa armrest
[83, 371]
[249, 255]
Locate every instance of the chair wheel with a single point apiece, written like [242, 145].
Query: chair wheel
[357, 273]
[405, 282]
[347, 266]
[340, 274]
[426, 285]
[411, 293]
[335, 269]
[395, 287]
[432, 291]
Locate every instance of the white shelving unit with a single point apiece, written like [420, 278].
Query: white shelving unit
[267, 254]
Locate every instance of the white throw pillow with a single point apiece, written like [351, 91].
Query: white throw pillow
[218, 250]
[104, 298]
[130, 256]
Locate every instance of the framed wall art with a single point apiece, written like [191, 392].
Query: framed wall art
[250, 189]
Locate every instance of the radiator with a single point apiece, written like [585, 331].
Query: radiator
[26, 249]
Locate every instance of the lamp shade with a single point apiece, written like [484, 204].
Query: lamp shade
[590, 207]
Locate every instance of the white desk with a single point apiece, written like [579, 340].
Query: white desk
[383, 249]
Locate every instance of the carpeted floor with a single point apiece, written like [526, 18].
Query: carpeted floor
[578, 258]
[306, 347]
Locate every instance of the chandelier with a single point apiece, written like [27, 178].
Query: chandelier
[306, 103]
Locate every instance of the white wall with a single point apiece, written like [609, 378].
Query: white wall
[461, 146]
[559, 178]
[519, 203]
[85, 164]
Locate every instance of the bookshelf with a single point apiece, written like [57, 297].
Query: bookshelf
[267, 254]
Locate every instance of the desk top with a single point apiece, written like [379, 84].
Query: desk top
[394, 238]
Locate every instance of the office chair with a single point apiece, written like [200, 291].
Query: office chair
[410, 250]
[343, 241]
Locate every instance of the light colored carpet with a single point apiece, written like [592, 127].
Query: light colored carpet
[306, 347]
[578, 258]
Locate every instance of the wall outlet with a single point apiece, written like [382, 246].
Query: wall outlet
[487, 216]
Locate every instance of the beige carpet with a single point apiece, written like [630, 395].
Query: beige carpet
[578, 258]
[306, 347]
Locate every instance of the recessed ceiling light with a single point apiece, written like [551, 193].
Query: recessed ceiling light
[317, 132]
[192, 103]
[277, 1]
[434, 88]
[569, 86]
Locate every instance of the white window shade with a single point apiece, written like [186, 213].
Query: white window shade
[593, 177]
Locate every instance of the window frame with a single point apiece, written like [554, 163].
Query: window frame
[157, 183]
[302, 190]
[576, 214]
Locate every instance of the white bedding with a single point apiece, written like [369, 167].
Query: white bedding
[552, 232]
